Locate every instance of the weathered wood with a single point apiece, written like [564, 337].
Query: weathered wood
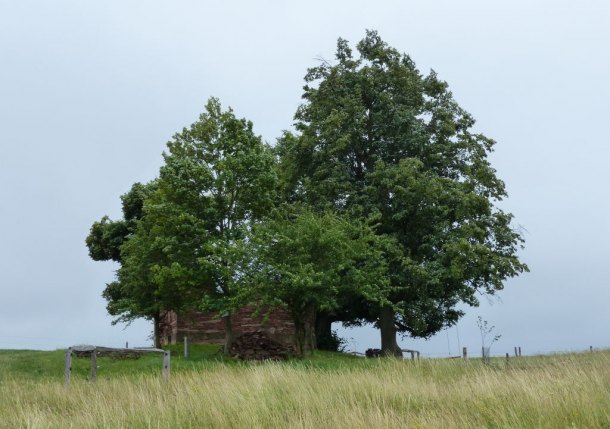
[68, 366]
[519, 351]
[516, 352]
[591, 349]
[94, 366]
[507, 357]
[113, 352]
[186, 347]
[464, 352]
[166, 365]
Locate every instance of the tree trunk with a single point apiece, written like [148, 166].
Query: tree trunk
[387, 327]
[157, 331]
[304, 326]
[310, 328]
[228, 325]
[299, 336]
[324, 333]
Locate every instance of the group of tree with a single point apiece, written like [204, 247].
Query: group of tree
[380, 207]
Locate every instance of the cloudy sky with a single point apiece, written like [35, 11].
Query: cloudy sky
[90, 92]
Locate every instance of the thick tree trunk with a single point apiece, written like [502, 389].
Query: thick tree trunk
[387, 327]
[157, 331]
[304, 326]
[324, 333]
[228, 325]
[299, 336]
[310, 328]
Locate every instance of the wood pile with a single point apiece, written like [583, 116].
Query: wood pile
[259, 346]
[370, 353]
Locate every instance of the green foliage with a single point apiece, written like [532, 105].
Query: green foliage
[378, 139]
[309, 262]
[388, 209]
[107, 236]
[217, 181]
[332, 342]
[178, 240]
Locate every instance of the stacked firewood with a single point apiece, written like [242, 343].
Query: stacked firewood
[258, 346]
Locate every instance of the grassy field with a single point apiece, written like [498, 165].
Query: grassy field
[324, 391]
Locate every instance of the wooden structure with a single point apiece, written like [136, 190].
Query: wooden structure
[208, 328]
[118, 353]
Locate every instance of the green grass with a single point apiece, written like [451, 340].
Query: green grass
[326, 390]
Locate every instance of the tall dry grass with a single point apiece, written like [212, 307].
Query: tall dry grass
[564, 391]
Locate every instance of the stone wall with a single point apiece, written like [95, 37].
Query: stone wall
[207, 328]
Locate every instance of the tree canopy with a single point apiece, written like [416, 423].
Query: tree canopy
[374, 137]
[388, 209]
[308, 262]
[178, 244]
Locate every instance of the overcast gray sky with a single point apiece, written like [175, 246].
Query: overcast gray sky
[90, 92]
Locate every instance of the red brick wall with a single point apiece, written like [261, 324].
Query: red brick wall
[206, 328]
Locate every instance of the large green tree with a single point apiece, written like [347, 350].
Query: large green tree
[179, 242]
[307, 262]
[375, 137]
[132, 295]
[218, 179]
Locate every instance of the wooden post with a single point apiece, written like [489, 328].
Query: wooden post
[412, 355]
[464, 352]
[126, 344]
[519, 351]
[94, 365]
[516, 353]
[591, 349]
[186, 347]
[417, 355]
[166, 365]
[68, 366]
[507, 356]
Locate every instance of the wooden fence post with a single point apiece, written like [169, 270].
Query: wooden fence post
[519, 351]
[94, 365]
[516, 352]
[464, 352]
[186, 347]
[591, 349]
[166, 365]
[68, 366]
[507, 356]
